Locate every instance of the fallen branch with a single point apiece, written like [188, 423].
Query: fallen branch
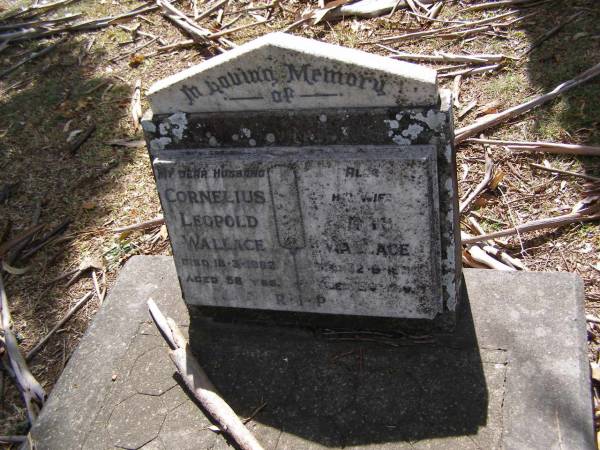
[504, 257]
[499, 4]
[564, 172]
[136, 105]
[88, 25]
[548, 147]
[152, 223]
[438, 31]
[32, 56]
[134, 50]
[550, 33]
[591, 318]
[135, 143]
[8, 246]
[73, 147]
[210, 10]
[449, 57]
[551, 222]
[52, 235]
[56, 327]
[199, 384]
[470, 130]
[472, 71]
[29, 387]
[233, 30]
[39, 23]
[495, 252]
[197, 33]
[479, 255]
[176, 46]
[36, 9]
[489, 175]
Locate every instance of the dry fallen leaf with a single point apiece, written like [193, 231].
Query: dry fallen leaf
[163, 233]
[489, 108]
[498, 177]
[88, 205]
[136, 60]
[481, 201]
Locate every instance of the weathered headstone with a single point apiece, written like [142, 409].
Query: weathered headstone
[302, 176]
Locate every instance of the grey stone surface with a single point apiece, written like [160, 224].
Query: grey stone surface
[330, 230]
[212, 109]
[282, 71]
[514, 375]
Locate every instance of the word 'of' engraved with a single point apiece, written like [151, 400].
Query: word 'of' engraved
[195, 242]
[172, 196]
[218, 221]
[305, 73]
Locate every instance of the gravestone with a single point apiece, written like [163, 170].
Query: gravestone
[305, 177]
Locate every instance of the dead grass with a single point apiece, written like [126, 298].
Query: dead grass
[101, 187]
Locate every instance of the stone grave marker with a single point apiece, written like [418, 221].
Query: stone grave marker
[301, 176]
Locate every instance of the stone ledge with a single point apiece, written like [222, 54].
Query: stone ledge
[514, 376]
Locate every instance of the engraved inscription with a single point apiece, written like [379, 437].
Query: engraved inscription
[280, 82]
[306, 232]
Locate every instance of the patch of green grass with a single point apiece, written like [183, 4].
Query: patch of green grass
[490, 226]
[506, 86]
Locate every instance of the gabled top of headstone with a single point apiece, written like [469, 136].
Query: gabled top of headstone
[282, 71]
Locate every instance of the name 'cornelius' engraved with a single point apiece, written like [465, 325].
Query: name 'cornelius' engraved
[172, 196]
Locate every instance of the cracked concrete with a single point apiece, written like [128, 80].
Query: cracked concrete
[470, 390]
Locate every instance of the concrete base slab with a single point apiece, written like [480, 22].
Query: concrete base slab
[514, 375]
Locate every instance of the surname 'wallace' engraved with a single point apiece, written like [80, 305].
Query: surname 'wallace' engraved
[172, 196]
[196, 242]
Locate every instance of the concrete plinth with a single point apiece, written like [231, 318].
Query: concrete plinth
[514, 375]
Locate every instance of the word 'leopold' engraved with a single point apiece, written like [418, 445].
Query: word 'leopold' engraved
[306, 73]
[218, 221]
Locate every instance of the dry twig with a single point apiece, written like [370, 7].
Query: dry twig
[56, 327]
[499, 4]
[441, 31]
[564, 172]
[551, 222]
[489, 174]
[199, 384]
[136, 105]
[470, 130]
[32, 56]
[30, 389]
[152, 223]
[548, 147]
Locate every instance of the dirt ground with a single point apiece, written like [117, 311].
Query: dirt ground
[88, 79]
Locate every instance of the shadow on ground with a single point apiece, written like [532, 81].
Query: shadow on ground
[340, 394]
[569, 51]
[42, 103]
